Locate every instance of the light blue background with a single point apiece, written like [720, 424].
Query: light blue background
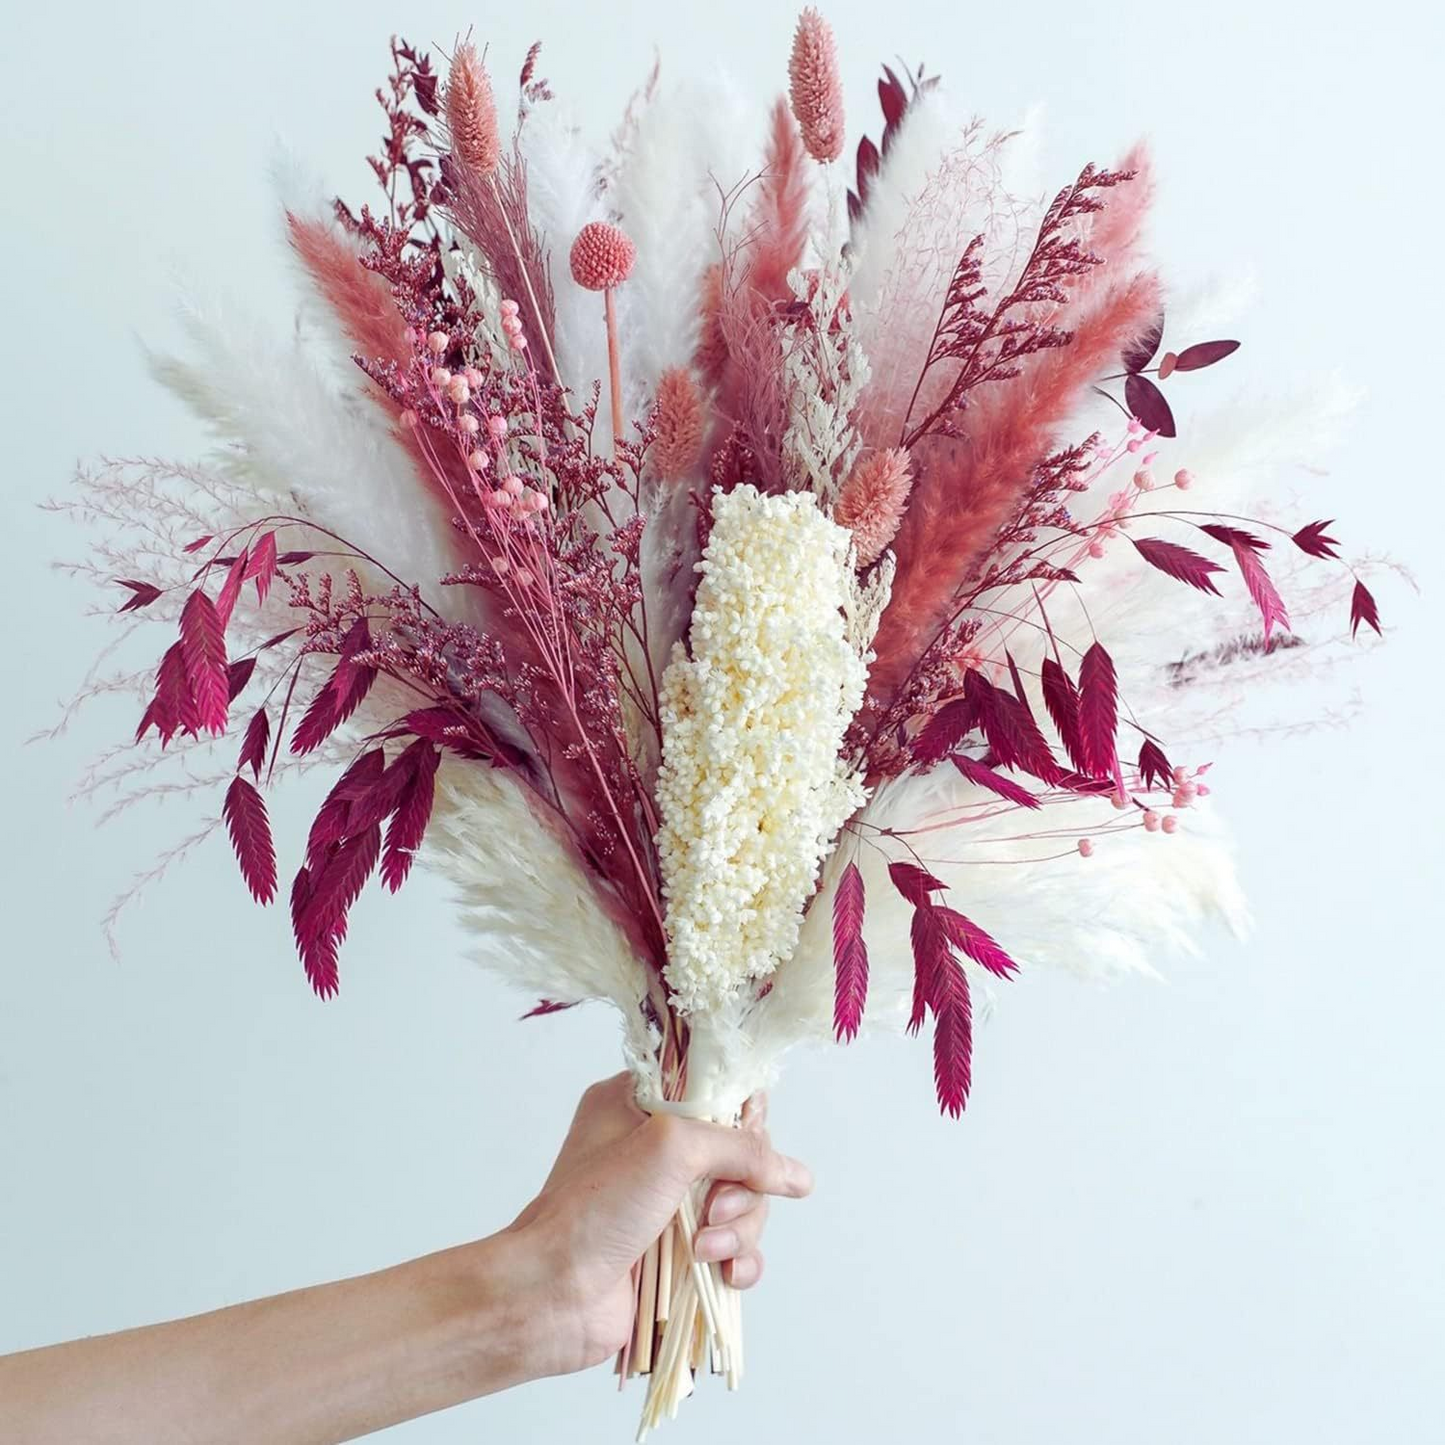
[1201, 1211]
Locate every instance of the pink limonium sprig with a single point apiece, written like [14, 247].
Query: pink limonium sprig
[602, 258]
[815, 88]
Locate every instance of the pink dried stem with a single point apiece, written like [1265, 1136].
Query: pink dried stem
[526, 277]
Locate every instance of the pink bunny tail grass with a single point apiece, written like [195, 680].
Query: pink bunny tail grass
[780, 218]
[680, 425]
[969, 487]
[472, 112]
[873, 500]
[362, 301]
[711, 355]
[602, 257]
[815, 88]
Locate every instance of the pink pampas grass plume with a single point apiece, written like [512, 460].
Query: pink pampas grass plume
[873, 500]
[680, 425]
[815, 88]
[472, 112]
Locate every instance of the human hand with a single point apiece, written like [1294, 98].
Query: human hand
[618, 1180]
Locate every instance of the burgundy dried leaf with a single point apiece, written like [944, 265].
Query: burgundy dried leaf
[1261, 588]
[1313, 540]
[408, 824]
[246, 822]
[238, 674]
[279, 638]
[1363, 609]
[1234, 536]
[546, 1006]
[930, 953]
[197, 544]
[1204, 353]
[894, 100]
[952, 1038]
[292, 559]
[1146, 402]
[945, 730]
[850, 955]
[175, 706]
[377, 803]
[332, 820]
[1154, 769]
[968, 937]
[1062, 702]
[144, 593]
[1098, 711]
[263, 565]
[985, 777]
[341, 694]
[1012, 733]
[332, 892]
[913, 882]
[1178, 562]
[231, 588]
[203, 646]
[253, 745]
[1138, 354]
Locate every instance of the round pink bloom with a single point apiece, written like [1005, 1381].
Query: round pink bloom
[1170, 824]
[1086, 847]
[497, 427]
[438, 341]
[602, 257]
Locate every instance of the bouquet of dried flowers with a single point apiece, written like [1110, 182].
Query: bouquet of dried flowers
[759, 585]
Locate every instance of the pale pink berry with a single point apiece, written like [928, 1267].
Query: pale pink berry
[1119, 801]
[1183, 480]
[524, 577]
[509, 308]
[474, 377]
[1179, 772]
[500, 496]
[501, 565]
[478, 461]
[1135, 445]
[1144, 479]
[459, 391]
[1151, 821]
[470, 425]
[1086, 847]
[519, 342]
[440, 377]
[1203, 790]
[540, 502]
[602, 257]
[438, 341]
[1170, 824]
[513, 486]
[1096, 548]
[496, 427]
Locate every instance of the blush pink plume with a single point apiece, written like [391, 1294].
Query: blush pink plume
[872, 501]
[967, 487]
[815, 89]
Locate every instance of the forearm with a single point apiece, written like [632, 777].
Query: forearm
[307, 1368]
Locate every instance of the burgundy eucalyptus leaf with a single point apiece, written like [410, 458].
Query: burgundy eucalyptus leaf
[1204, 353]
[1146, 402]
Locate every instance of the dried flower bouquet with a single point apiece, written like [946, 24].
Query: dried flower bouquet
[838, 659]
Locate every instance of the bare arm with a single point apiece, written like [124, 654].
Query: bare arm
[549, 1294]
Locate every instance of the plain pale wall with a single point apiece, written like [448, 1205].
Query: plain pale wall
[1195, 1211]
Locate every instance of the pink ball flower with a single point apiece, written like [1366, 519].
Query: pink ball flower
[438, 342]
[496, 427]
[602, 257]
[1170, 824]
[1086, 847]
